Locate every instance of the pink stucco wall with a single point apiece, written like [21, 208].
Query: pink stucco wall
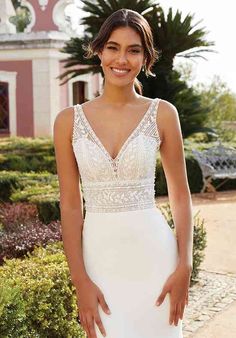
[24, 95]
[44, 21]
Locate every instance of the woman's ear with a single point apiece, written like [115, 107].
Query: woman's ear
[100, 55]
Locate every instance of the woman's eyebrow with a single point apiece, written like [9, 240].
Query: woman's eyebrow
[117, 44]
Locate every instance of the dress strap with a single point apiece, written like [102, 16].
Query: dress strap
[150, 127]
[75, 128]
[156, 111]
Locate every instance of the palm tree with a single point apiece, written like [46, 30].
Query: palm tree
[174, 36]
[99, 10]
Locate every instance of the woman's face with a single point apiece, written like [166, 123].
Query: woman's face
[122, 56]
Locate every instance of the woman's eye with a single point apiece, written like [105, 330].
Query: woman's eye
[111, 47]
[135, 51]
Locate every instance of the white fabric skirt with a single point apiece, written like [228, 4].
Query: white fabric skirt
[130, 255]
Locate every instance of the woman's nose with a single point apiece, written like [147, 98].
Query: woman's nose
[122, 58]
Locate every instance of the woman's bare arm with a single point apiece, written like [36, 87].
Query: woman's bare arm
[71, 205]
[87, 292]
[173, 161]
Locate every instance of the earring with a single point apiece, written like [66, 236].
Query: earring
[143, 68]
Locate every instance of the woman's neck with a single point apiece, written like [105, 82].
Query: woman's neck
[119, 95]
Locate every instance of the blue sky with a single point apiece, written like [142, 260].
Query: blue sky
[219, 20]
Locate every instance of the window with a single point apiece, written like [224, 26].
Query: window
[78, 92]
[4, 108]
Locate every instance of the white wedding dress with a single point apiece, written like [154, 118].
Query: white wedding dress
[129, 250]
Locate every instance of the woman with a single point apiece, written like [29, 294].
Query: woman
[123, 257]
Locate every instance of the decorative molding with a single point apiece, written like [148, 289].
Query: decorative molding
[59, 17]
[43, 4]
[23, 54]
[6, 11]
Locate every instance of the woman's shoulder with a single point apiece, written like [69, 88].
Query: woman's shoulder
[165, 108]
[167, 113]
[167, 117]
[64, 120]
[65, 115]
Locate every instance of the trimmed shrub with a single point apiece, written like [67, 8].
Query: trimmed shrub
[42, 301]
[41, 189]
[9, 182]
[27, 154]
[48, 208]
[199, 239]
[14, 214]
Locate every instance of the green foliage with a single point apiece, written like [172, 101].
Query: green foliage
[12, 310]
[38, 299]
[220, 103]
[22, 17]
[199, 239]
[24, 185]
[27, 154]
[9, 182]
[41, 189]
[48, 208]
[192, 114]
[99, 10]
[176, 36]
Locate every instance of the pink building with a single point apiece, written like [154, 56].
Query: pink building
[30, 62]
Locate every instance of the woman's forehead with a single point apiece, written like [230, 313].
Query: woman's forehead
[122, 34]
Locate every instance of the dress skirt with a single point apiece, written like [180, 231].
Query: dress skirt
[129, 255]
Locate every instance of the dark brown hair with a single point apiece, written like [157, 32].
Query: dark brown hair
[126, 18]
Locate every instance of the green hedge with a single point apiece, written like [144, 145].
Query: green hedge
[27, 154]
[41, 189]
[37, 297]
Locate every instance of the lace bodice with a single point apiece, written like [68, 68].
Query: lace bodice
[126, 182]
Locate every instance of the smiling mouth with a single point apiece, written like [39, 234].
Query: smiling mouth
[119, 70]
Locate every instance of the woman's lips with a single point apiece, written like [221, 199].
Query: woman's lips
[120, 71]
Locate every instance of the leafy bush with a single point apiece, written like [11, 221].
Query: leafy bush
[21, 186]
[27, 154]
[41, 189]
[37, 297]
[48, 208]
[9, 182]
[199, 239]
[14, 214]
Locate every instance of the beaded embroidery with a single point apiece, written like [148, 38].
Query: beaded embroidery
[125, 182]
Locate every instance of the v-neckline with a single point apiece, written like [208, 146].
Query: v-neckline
[127, 139]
